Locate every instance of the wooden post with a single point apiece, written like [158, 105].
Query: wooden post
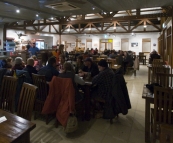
[171, 50]
[4, 33]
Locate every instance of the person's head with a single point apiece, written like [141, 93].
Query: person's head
[68, 67]
[87, 62]
[79, 59]
[30, 62]
[34, 57]
[9, 60]
[18, 61]
[52, 61]
[102, 64]
[62, 59]
[33, 45]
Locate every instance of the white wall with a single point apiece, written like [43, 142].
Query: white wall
[117, 40]
[53, 39]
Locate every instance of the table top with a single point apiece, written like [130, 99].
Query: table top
[115, 67]
[166, 66]
[146, 93]
[14, 127]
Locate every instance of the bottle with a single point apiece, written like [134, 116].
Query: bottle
[14, 74]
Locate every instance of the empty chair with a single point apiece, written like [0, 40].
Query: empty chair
[26, 101]
[157, 66]
[165, 80]
[7, 93]
[2, 73]
[40, 82]
[162, 112]
[166, 133]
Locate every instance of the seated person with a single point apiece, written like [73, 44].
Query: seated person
[69, 72]
[153, 55]
[37, 63]
[61, 62]
[79, 65]
[102, 81]
[113, 55]
[29, 67]
[89, 68]
[18, 65]
[50, 70]
[9, 62]
[127, 61]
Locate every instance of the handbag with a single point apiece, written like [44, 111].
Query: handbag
[72, 124]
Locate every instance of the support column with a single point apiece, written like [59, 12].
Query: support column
[4, 33]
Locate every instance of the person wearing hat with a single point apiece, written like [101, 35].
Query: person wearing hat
[102, 81]
[89, 68]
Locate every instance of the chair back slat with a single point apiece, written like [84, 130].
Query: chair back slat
[40, 82]
[163, 105]
[7, 93]
[164, 79]
[26, 101]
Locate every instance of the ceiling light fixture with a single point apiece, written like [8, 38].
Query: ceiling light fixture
[89, 28]
[114, 27]
[36, 15]
[133, 34]
[145, 26]
[52, 18]
[18, 11]
[93, 8]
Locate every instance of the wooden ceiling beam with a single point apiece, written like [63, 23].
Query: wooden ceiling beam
[41, 29]
[94, 32]
[96, 27]
[129, 12]
[140, 22]
[122, 26]
[74, 28]
[55, 29]
[149, 22]
[108, 26]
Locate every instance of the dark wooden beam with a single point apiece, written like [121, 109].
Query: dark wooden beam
[148, 21]
[112, 32]
[55, 29]
[139, 23]
[100, 20]
[122, 26]
[95, 27]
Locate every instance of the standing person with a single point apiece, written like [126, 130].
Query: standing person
[33, 49]
[28, 46]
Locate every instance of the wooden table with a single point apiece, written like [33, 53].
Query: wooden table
[15, 129]
[149, 99]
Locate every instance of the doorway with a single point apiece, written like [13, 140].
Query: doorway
[125, 44]
[106, 44]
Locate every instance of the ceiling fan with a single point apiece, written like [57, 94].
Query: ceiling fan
[20, 34]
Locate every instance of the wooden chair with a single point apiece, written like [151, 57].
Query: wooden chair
[162, 112]
[7, 93]
[42, 92]
[157, 66]
[2, 73]
[166, 133]
[165, 80]
[26, 101]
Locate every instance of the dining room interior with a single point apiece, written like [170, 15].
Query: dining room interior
[57, 58]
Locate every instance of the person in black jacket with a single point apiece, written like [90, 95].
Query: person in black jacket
[29, 67]
[90, 68]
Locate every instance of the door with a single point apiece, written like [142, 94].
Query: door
[124, 44]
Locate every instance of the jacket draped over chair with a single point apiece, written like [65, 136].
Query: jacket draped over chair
[118, 100]
[60, 99]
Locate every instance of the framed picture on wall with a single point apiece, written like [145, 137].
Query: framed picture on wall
[134, 44]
